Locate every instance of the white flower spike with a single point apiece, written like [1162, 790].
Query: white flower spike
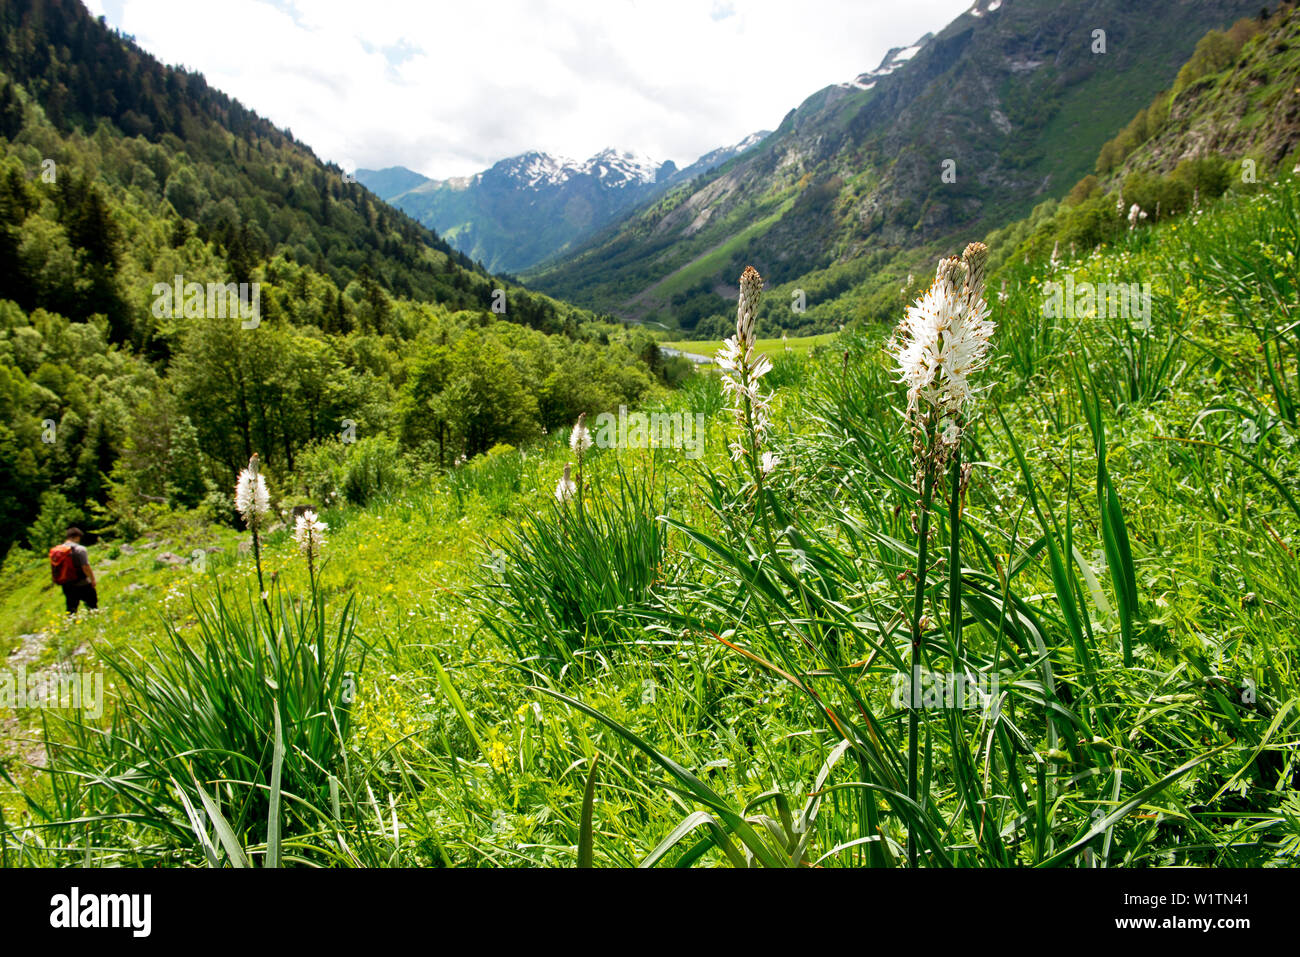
[580, 438]
[941, 343]
[252, 500]
[743, 366]
[309, 532]
[565, 488]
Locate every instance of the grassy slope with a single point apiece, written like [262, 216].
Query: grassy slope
[409, 561]
[1210, 538]
[1252, 108]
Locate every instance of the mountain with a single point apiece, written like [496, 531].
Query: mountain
[1237, 97]
[963, 131]
[389, 182]
[530, 208]
[715, 158]
[203, 165]
[1231, 121]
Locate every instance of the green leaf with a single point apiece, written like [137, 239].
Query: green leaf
[273, 818]
[588, 802]
[225, 834]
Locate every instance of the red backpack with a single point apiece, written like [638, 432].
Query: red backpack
[62, 565]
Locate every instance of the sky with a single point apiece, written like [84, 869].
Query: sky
[448, 89]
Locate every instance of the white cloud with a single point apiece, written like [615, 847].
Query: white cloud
[450, 88]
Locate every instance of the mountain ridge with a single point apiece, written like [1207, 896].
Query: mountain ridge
[527, 209]
[849, 194]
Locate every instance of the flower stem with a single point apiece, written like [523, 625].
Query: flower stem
[918, 604]
[756, 465]
[257, 560]
[954, 558]
[581, 516]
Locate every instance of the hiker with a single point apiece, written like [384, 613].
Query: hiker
[70, 566]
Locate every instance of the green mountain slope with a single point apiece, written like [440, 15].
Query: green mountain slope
[1230, 121]
[119, 179]
[1237, 97]
[1011, 94]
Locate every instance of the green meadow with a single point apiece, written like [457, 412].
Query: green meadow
[697, 661]
[796, 345]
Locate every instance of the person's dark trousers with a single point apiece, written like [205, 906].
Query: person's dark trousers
[78, 592]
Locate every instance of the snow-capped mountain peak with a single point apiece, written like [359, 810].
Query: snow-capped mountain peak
[538, 170]
[618, 168]
[533, 169]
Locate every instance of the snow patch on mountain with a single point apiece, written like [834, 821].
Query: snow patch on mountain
[893, 60]
[619, 169]
[753, 139]
[722, 154]
[537, 170]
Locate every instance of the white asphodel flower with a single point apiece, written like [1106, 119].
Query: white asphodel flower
[751, 287]
[770, 461]
[941, 343]
[1135, 215]
[309, 532]
[743, 367]
[944, 337]
[741, 383]
[580, 438]
[252, 500]
[565, 487]
[732, 357]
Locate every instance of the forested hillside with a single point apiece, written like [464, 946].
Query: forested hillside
[119, 179]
